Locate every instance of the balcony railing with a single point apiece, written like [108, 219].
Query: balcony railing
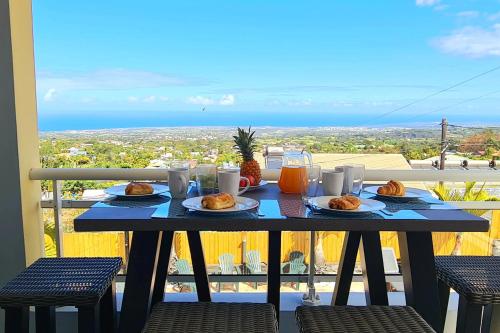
[57, 204]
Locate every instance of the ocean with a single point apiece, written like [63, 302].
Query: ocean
[81, 120]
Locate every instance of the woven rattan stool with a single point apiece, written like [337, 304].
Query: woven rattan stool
[204, 317]
[476, 279]
[360, 319]
[87, 283]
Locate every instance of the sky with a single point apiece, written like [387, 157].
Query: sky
[126, 63]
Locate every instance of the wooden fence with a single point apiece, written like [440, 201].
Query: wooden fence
[217, 243]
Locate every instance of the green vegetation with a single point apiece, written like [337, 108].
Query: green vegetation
[140, 148]
[470, 193]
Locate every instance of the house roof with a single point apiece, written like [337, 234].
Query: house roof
[371, 161]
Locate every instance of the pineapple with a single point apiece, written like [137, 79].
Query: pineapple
[245, 144]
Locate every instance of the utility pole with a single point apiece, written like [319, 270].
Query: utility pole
[444, 143]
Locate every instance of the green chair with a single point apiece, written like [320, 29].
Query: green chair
[295, 265]
[227, 267]
[253, 264]
[183, 268]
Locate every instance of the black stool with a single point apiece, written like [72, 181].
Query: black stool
[360, 319]
[87, 283]
[476, 279]
[205, 317]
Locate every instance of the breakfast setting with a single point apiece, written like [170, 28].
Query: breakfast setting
[301, 189]
[295, 195]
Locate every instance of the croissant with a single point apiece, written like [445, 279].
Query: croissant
[393, 187]
[218, 201]
[138, 189]
[347, 202]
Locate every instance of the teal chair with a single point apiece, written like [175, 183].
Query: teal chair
[253, 264]
[227, 267]
[295, 265]
[183, 268]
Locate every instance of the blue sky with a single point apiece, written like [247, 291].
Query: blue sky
[264, 62]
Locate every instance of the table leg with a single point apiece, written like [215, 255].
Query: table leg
[346, 268]
[419, 276]
[140, 281]
[162, 267]
[17, 320]
[372, 265]
[199, 267]
[274, 270]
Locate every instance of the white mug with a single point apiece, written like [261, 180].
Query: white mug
[178, 182]
[333, 182]
[229, 181]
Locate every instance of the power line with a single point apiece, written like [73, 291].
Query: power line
[457, 104]
[437, 93]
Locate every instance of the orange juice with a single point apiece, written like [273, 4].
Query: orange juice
[293, 179]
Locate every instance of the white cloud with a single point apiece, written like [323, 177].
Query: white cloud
[109, 79]
[304, 102]
[439, 8]
[494, 17]
[164, 98]
[149, 99]
[426, 2]
[343, 104]
[88, 100]
[200, 100]
[227, 100]
[50, 95]
[132, 99]
[468, 14]
[474, 42]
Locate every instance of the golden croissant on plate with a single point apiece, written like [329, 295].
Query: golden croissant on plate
[393, 187]
[138, 189]
[218, 201]
[346, 202]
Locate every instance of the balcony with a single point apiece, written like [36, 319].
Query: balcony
[35, 224]
[245, 286]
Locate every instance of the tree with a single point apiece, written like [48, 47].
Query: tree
[470, 194]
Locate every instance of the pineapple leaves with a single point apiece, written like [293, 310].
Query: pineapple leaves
[244, 143]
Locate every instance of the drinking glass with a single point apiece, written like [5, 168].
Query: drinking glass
[206, 178]
[357, 172]
[310, 190]
[180, 164]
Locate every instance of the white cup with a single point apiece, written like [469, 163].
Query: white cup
[178, 182]
[333, 182]
[229, 181]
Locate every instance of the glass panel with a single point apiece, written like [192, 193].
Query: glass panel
[83, 244]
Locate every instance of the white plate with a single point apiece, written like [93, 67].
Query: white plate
[242, 204]
[251, 188]
[119, 191]
[411, 193]
[367, 205]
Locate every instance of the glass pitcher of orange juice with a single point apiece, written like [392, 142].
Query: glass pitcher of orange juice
[293, 177]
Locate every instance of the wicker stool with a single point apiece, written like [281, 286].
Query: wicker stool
[360, 319]
[477, 281]
[204, 317]
[87, 283]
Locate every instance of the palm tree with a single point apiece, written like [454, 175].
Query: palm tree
[470, 194]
